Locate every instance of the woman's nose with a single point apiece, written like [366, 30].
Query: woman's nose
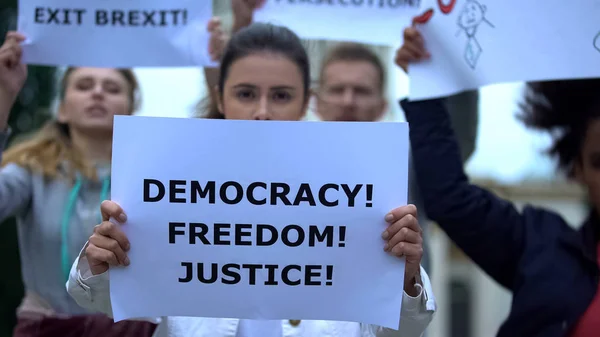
[262, 110]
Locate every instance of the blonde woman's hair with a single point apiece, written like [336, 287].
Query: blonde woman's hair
[51, 146]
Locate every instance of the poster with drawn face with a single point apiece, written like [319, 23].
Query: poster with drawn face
[474, 43]
[470, 18]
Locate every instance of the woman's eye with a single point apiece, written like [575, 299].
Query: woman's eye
[84, 85]
[245, 94]
[112, 88]
[281, 96]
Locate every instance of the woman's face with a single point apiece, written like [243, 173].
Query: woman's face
[263, 86]
[93, 96]
[587, 170]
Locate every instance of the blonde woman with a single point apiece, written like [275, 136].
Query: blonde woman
[54, 183]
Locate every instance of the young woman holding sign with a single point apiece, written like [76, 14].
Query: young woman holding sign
[551, 268]
[264, 76]
[54, 183]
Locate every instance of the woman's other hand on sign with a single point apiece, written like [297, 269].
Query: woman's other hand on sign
[404, 239]
[108, 245]
[412, 50]
[13, 74]
[243, 12]
[218, 39]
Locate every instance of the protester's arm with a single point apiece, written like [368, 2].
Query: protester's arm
[488, 229]
[216, 45]
[92, 291]
[243, 11]
[15, 181]
[463, 109]
[415, 316]
[5, 107]
[89, 291]
[15, 184]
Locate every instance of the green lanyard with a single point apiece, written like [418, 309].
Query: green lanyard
[66, 220]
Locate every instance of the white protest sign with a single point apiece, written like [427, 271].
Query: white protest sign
[365, 21]
[111, 33]
[258, 219]
[479, 42]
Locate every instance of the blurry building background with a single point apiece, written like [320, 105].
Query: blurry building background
[508, 159]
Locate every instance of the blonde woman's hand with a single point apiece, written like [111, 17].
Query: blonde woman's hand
[13, 72]
[243, 12]
[108, 245]
[218, 39]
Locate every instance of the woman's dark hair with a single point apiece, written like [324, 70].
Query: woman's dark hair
[565, 109]
[259, 38]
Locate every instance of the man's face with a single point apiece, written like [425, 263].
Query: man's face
[350, 91]
[471, 15]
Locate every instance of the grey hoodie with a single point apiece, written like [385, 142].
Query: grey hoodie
[44, 207]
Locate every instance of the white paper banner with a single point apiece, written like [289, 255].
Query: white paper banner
[111, 33]
[365, 21]
[258, 220]
[479, 42]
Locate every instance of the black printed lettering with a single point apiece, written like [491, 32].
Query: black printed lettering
[304, 195]
[312, 272]
[260, 235]
[148, 183]
[315, 235]
[189, 272]
[202, 192]
[252, 198]
[258, 193]
[257, 274]
[279, 191]
[59, 16]
[252, 268]
[238, 190]
[174, 231]
[221, 233]
[231, 270]
[240, 233]
[101, 18]
[176, 186]
[214, 273]
[271, 269]
[285, 275]
[245, 234]
[285, 235]
[141, 18]
[323, 195]
[198, 231]
[351, 194]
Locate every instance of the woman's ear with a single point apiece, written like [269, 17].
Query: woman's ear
[62, 115]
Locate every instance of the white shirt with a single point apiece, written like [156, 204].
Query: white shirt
[251, 328]
[93, 292]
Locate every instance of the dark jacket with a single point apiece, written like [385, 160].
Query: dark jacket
[550, 267]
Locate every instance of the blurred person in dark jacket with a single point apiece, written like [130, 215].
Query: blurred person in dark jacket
[550, 267]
